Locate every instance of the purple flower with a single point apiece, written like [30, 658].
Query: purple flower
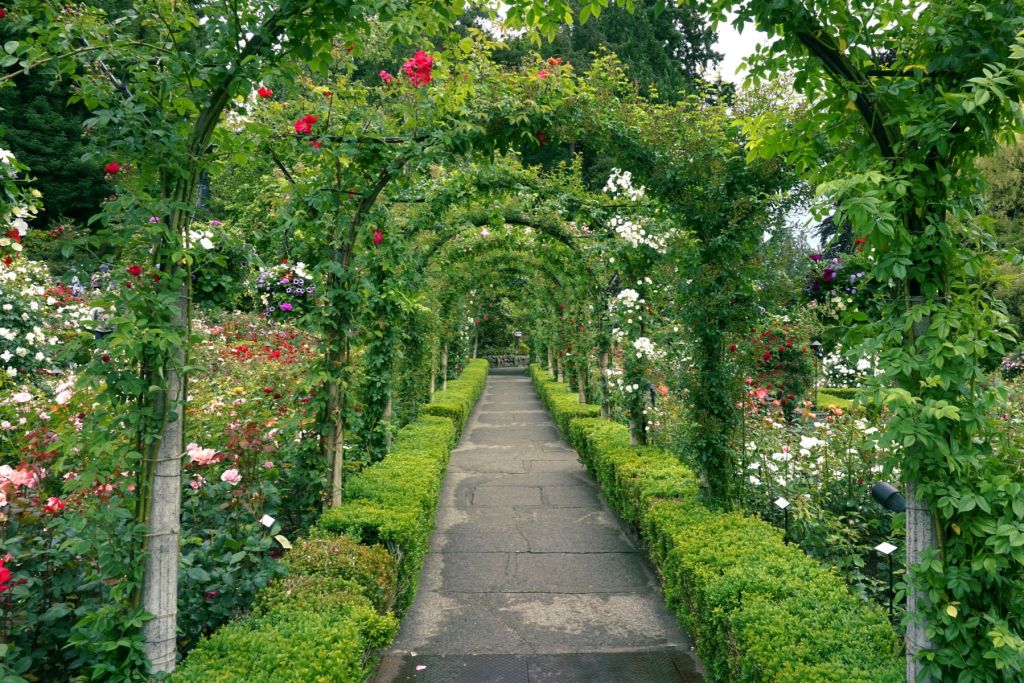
[285, 307]
[154, 219]
[216, 224]
[828, 275]
[815, 257]
[288, 291]
[284, 281]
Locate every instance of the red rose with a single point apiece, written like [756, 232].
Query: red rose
[542, 74]
[732, 348]
[378, 236]
[418, 69]
[53, 504]
[305, 124]
[265, 92]
[767, 356]
[555, 61]
[112, 168]
[3, 13]
[542, 138]
[316, 144]
[135, 270]
[386, 77]
[14, 234]
[5, 577]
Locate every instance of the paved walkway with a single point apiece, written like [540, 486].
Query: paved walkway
[530, 578]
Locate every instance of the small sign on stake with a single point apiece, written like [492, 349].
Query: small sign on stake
[781, 503]
[885, 548]
[267, 521]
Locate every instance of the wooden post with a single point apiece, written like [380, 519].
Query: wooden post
[444, 367]
[606, 404]
[160, 578]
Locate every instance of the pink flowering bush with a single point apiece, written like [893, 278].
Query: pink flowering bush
[68, 536]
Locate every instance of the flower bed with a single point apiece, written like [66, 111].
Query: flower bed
[759, 609]
[335, 609]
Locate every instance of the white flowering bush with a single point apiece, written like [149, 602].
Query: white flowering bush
[36, 315]
[620, 183]
[824, 467]
[635, 234]
[842, 369]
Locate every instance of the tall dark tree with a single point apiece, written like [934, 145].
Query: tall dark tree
[45, 133]
[665, 51]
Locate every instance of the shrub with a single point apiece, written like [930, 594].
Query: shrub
[564, 405]
[323, 622]
[758, 609]
[457, 401]
[294, 644]
[370, 568]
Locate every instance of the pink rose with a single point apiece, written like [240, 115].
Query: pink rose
[231, 476]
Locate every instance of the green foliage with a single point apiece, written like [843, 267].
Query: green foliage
[564, 405]
[325, 634]
[457, 401]
[760, 610]
[370, 568]
[393, 502]
[45, 133]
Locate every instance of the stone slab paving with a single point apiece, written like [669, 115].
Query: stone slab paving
[530, 576]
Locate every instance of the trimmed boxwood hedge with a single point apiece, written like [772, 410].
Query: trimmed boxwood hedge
[457, 400]
[849, 393]
[564, 405]
[325, 621]
[758, 609]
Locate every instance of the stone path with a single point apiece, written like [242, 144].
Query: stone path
[530, 577]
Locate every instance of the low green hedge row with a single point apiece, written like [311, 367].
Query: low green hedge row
[457, 400]
[320, 623]
[330, 615]
[758, 609]
[564, 405]
[826, 399]
[849, 393]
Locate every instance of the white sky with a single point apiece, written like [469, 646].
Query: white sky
[736, 46]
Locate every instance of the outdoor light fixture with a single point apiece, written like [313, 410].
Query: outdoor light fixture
[816, 347]
[888, 497]
[783, 505]
[888, 549]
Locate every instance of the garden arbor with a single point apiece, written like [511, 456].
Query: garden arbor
[914, 94]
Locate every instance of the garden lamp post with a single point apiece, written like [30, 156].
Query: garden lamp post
[816, 349]
[783, 505]
[888, 549]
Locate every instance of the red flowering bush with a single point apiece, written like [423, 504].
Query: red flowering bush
[783, 367]
[418, 68]
[304, 126]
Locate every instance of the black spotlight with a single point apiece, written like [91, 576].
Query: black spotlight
[888, 497]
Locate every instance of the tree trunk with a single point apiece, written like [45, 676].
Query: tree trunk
[336, 445]
[160, 578]
[444, 367]
[581, 382]
[433, 376]
[476, 341]
[921, 537]
[559, 369]
[388, 414]
[606, 403]
[551, 361]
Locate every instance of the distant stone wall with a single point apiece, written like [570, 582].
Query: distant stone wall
[508, 361]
